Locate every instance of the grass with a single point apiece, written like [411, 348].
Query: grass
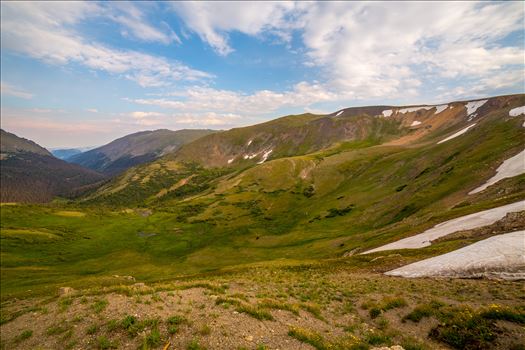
[202, 236]
[255, 312]
[195, 345]
[92, 329]
[99, 306]
[28, 333]
[275, 227]
[104, 343]
[309, 337]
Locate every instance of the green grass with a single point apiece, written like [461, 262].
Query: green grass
[309, 337]
[364, 195]
[28, 333]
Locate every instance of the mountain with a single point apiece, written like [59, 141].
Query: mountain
[30, 173]
[12, 144]
[307, 229]
[289, 150]
[64, 153]
[135, 149]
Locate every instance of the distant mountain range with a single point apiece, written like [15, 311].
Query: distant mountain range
[65, 153]
[30, 173]
[153, 166]
[134, 149]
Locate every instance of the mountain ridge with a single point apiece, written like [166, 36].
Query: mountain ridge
[30, 173]
[134, 149]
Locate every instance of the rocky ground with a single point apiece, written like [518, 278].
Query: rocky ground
[313, 306]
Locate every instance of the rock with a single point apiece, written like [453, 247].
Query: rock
[378, 258]
[249, 338]
[350, 253]
[65, 291]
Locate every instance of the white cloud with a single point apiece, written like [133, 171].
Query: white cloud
[8, 89]
[376, 49]
[133, 20]
[214, 19]
[205, 100]
[44, 31]
[92, 110]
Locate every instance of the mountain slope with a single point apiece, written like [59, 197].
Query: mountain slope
[135, 149]
[345, 133]
[10, 144]
[29, 173]
[303, 134]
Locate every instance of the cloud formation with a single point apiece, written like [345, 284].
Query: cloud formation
[8, 89]
[45, 31]
[377, 49]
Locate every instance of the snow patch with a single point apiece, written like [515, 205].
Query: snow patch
[473, 106]
[387, 113]
[460, 132]
[440, 108]
[501, 256]
[467, 222]
[249, 143]
[250, 156]
[415, 123]
[230, 160]
[517, 111]
[341, 112]
[511, 167]
[265, 156]
[414, 109]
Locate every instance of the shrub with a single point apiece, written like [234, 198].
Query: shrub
[374, 312]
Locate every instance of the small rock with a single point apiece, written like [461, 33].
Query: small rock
[64, 291]
[249, 338]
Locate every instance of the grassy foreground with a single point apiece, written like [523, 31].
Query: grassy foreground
[327, 305]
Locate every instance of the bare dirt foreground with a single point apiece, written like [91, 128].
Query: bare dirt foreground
[301, 306]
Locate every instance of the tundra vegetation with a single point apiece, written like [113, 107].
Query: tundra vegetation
[186, 251]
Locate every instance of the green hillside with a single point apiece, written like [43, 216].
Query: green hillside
[184, 249]
[172, 217]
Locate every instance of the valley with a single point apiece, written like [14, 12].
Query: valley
[264, 226]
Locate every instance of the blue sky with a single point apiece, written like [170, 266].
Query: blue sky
[84, 73]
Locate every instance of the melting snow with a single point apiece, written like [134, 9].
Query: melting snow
[414, 109]
[501, 256]
[230, 160]
[517, 111]
[467, 222]
[415, 123]
[250, 156]
[460, 132]
[473, 106]
[249, 142]
[441, 108]
[265, 156]
[511, 167]
[341, 112]
[388, 113]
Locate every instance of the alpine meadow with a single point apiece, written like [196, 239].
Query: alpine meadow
[262, 175]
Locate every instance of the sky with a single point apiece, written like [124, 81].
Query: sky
[80, 74]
